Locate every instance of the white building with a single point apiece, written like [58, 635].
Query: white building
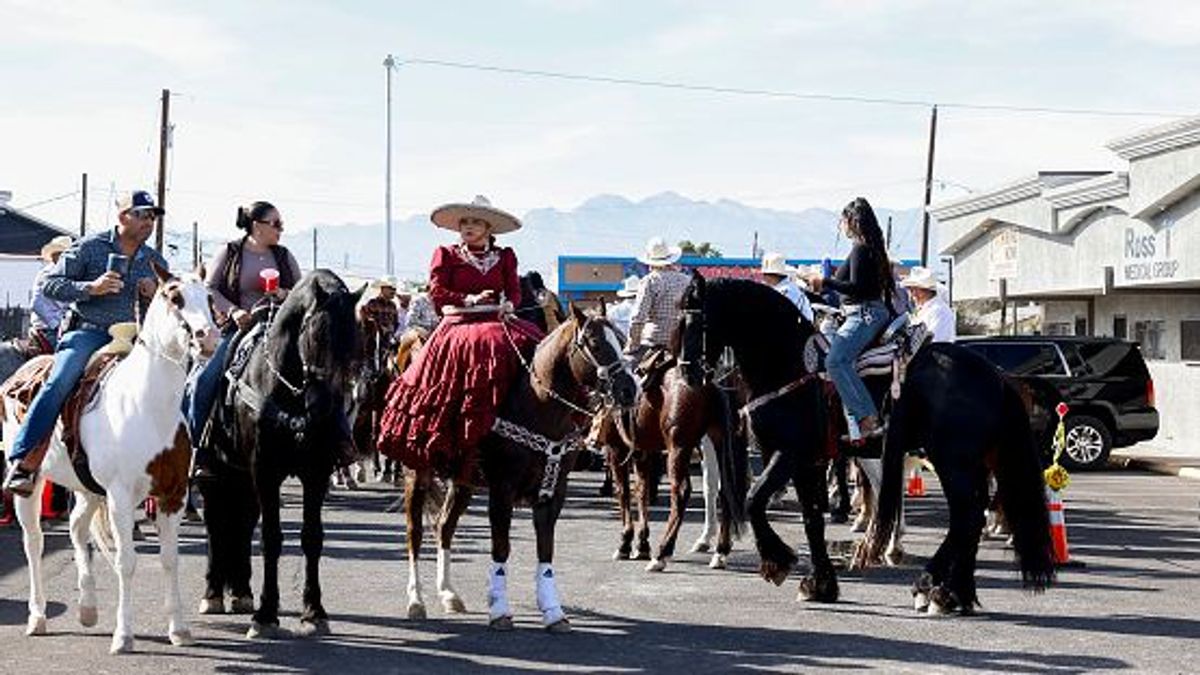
[1104, 253]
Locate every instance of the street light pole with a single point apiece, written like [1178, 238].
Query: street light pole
[388, 63]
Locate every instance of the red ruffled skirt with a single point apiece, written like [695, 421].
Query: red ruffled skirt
[443, 405]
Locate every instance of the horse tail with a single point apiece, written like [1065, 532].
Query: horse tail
[101, 530]
[734, 459]
[891, 491]
[1022, 494]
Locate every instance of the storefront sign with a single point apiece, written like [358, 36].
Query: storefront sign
[1002, 255]
[1147, 256]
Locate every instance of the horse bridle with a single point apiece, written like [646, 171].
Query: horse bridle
[706, 369]
[182, 326]
[604, 373]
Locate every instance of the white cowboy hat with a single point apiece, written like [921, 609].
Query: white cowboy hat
[386, 280]
[56, 245]
[774, 263]
[629, 288]
[659, 254]
[448, 215]
[921, 277]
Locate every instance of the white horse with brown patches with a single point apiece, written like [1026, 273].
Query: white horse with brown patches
[137, 446]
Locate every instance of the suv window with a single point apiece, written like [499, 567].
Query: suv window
[1024, 358]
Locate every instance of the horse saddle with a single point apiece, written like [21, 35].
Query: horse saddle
[892, 350]
[28, 381]
[653, 366]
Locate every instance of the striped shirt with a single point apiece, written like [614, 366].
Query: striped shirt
[656, 309]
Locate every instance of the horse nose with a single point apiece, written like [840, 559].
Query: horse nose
[207, 340]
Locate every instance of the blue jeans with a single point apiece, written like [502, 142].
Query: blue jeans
[202, 389]
[855, 334]
[70, 359]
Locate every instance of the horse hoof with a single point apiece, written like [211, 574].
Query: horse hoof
[416, 612]
[717, 562]
[501, 623]
[775, 573]
[265, 631]
[621, 554]
[88, 616]
[921, 590]
[894, 557]
[943, 602]
[242, 604]
[121, 645]
[452, 604]
[36, 626]
[814, 589]
[701, 546]
[921, 602]
[559, 627]
[181, 638]
[642, 554]
[212, 605]
[656, 565]
[314, 628]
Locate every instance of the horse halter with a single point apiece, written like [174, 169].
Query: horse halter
[706, 369]
[181, 326]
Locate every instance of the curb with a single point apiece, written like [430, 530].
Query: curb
[1166, 467]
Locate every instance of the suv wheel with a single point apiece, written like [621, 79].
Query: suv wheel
[1088, 443]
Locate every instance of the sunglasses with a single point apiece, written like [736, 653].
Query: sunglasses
[142, 214]
[277, 224]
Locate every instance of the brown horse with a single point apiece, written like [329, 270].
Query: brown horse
[377, 319]
[672, 418]
[526, 459]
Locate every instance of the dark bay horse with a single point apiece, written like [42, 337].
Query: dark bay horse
[377, 320]
[953, 404]
[526, 461]
[673, 418]
[287, 418]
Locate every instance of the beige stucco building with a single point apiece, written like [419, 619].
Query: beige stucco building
[1104, 253]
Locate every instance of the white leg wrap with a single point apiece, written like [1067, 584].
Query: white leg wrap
[547, 595]
[498, 591]
[414, 584]
[443, 570]
[712, 486]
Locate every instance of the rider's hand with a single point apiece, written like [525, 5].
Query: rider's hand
[487, 297]
[280, 294]
[814, 281]
[106, 284]
[241, 317]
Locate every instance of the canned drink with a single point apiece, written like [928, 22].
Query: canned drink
[117, 263]
[826, 267]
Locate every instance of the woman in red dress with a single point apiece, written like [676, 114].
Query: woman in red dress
[444, 404]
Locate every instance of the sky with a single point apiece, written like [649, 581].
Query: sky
[284, 101]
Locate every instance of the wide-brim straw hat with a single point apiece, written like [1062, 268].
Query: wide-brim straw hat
[660, 254]
[775, 263]
[56, 245]
[629, 287]
[920, 277]
[448, 216]
[386, 281]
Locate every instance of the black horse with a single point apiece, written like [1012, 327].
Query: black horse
[285, 417]
[953, 404]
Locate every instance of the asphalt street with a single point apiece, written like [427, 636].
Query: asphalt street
[1132, 606]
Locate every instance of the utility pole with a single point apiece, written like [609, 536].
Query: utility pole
[928, 188]
[887, 240]
[388, 64]
[83, 206]
[195, 245]
[163, 140]
[754, 246]
[314, 248]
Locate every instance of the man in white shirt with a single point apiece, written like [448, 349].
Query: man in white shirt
[621, 312]
[932, 309]
[781, 276]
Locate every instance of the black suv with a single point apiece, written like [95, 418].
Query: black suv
[1103, 380]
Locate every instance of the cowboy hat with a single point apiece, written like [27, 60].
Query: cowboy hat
[921, 277]
[56, 245]
[448, 216]
[629, 287]
[386, 281]
[659, 254]
[774, 263]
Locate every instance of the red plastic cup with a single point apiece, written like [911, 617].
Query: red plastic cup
[269, 280]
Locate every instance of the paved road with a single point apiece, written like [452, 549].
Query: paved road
[1134, 606]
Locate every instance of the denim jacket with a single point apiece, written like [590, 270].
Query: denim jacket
[87, 259]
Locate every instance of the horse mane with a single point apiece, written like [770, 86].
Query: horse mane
[764, 328]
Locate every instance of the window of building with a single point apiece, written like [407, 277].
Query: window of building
[1058, 328]
[1120, 327]
[1189, 340]
[1081, 327]
[1149, 334]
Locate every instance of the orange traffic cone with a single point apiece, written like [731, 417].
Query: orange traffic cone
[1058, 530]
[916, 483]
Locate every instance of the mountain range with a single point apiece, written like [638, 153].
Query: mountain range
[604, 225]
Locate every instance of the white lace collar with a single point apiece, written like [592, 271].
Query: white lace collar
[483, 261]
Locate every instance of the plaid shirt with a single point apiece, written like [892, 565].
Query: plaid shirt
[656, 309]
[86, 260]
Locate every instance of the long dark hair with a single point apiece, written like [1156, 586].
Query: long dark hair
[246, 215]
[860, 220]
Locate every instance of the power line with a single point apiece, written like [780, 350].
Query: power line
[51, 200]
[777, 93]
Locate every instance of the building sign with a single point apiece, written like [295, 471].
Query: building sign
[1002, 255]
[1147, 256]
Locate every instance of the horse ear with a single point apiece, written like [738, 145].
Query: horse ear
[164, 275]
[603, 309]
[359, 293]
[576, 313]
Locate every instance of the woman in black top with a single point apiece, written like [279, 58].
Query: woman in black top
[863, 281]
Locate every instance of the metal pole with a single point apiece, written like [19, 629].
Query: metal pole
[314, 248]
[163, 133]
[195, 245]
[928, 188]
[389, 63]
[83, 207]
[887, 240]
